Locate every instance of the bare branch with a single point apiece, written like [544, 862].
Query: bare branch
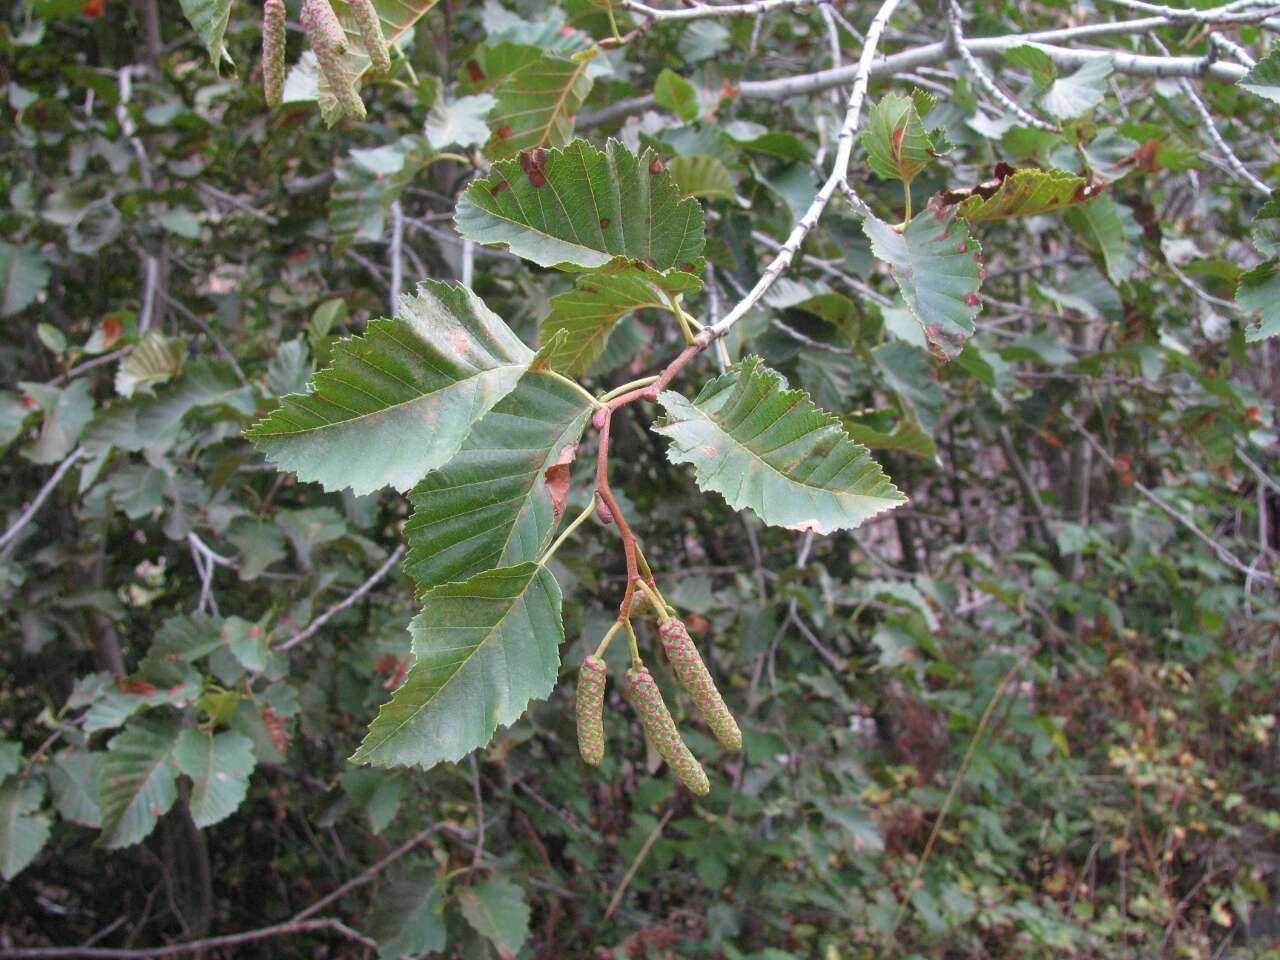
[700, 11]
[983, 78]
[310, 629]
[10, 535]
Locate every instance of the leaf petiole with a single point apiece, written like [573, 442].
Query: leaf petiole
[627, 388]
[570, 382]
[608, 638]
[578, 521]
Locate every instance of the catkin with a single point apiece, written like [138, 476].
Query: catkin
[366, 17]
[273, 14]
[329, 41]
[696, 679]
[662, 731]
[590, 709]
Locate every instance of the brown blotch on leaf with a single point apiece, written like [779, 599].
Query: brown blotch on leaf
[656, 166]
[604, 223]
[972, 300]
[474, 71]
[503, 132]
[651, 263]
[687, 267]
[499, 186]
[534, 164]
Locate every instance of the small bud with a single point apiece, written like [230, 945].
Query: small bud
[590, 709]
[273, 16]
[657, 722]
[366, 17]
[603, 513]
[696, 679]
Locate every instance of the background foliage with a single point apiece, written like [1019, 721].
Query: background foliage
[1030, 713]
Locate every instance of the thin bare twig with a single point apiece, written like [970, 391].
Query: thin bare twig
[10, 535]
[636, 863]
[310, 629]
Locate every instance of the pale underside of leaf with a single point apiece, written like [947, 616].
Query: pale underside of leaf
[483, 649]
[770, 449]
[1264, 78]
[580, 207]
[895, 139]
[489, 506]
[937, 266]
[400, 400]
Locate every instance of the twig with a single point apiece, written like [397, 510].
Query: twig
[835, 180]
[10, 535]
[83, 368]
[290, 928]
[983, 78]
[1225, 555]
[359, 881]
[635, 864]
[236, 202]
[699, 11]
[396, 255]
[200, 322]
[338, 607]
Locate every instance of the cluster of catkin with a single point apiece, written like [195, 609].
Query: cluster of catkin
[656, 719]
[329, 40]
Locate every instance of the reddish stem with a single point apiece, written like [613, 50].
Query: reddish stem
[603, 421]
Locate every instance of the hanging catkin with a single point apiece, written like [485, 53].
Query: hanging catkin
[590, 707]
[273, 51]
[366, 17]
[696, 678]
[661, 729]
[329, 41]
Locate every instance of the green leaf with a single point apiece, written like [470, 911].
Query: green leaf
[1259, 292]
[496, 910]
[588, 313]
[580, 207]
[704, 176]
[66, 413]
[209, 20]
[1264, 78]
[400, 400]
[1107, 227]
[74, 779]
[10, 758]
[765, 447]
[156, 359]
[536, 105]
[24, 273]
[119, 701]
[23, 831]
[138, 784]
[492, 63]
[219, 766]
[1025, 193]
[1265, 229]
[897, 145]
[406, 918]
[673, 92]
[375, 793]
[483, 648]
[1077, 94]
[367, 182]
[937, 266]
[1043, 70]
[906, 437]
[490, 505]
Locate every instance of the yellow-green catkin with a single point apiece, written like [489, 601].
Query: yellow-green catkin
[696, 679]
[273, 15]
[661, 729]
[366, 17]
[590, 709]
[329, 41]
